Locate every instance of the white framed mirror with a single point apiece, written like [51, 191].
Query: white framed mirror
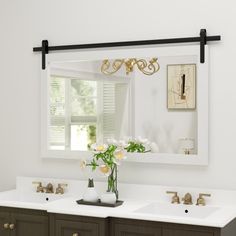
[81, 104]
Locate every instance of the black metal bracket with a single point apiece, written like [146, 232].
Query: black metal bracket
[44, 52]
[203, 39]
[203, 42]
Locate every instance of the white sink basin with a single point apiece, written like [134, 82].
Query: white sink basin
[171, 210]
[14, 196]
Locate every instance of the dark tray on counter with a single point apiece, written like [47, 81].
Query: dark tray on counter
[99, 203]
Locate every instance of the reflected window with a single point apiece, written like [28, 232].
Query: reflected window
[83, 112]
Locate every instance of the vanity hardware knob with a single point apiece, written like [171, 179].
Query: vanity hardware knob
[6, 226]
[11, 226]
[175, 198]
[201, 201]
[75, 234]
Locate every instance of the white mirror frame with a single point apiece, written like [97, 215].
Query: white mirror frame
[201, 158]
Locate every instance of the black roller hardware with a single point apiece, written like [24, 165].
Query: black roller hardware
[203, 39]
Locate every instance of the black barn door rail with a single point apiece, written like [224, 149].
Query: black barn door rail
[202, 39]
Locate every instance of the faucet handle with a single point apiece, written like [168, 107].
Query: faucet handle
[175, 198]
[201, 201]
[60, 188]
[39, 187]
[204, 195]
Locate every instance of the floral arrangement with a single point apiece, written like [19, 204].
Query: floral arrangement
[108, 156]
[138, 145]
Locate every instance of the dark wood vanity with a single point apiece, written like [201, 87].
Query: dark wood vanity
[24, 222]
[126, 227]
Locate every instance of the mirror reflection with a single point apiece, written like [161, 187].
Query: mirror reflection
[147, 100]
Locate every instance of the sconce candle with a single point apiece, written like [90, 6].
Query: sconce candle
[187, 144]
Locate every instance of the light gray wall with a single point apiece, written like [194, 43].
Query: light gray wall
[24, 23]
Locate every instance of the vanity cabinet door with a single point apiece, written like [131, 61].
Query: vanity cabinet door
[4, 219]
[29, 224]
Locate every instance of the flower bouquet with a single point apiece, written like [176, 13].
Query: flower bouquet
[108, 156]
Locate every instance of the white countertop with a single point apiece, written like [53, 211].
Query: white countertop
[66, 204]
[69, 206]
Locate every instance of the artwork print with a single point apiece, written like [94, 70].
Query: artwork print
[181, 83]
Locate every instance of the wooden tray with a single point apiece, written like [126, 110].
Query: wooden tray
[99, 203]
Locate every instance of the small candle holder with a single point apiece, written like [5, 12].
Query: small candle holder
[187, 144]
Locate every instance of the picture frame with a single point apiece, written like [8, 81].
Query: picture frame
[181, 86]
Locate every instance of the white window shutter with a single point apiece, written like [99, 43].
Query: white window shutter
[114, 99]
[57, 113]
[108, 111]
[122, 110]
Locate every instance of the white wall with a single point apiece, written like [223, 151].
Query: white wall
[23, 24]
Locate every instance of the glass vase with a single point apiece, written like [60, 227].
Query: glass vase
[112, 181]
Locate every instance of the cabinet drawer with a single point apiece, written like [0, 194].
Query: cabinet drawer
[182, 232]
[123, 227]
[76, 228]
[67, 225]
[136, 230]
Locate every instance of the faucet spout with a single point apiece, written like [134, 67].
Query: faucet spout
[187, 199]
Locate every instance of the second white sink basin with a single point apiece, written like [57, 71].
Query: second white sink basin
[171, 210]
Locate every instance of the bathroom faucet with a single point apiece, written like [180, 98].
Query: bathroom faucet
[49, 188]
[60, 189]
[187, 199]
[41, 189]
[175, 198]
[201, 201]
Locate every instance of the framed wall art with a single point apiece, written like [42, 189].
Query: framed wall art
[181, 86]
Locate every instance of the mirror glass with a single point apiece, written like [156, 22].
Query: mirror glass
[86, 106]
[152, 100]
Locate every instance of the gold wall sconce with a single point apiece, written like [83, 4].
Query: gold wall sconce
[146, 67]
